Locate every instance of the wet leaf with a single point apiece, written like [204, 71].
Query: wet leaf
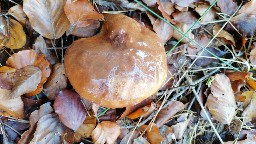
[17, 37]
[80, 11]
[223, 34]
[56, 82]
[163, 30]
[47, 17]
[106, 132]
[227, 6]
[143, 112]
[165, 114]
[209, 16]
[40, 47]
[31, 58]
[18, 13]
[221, 102]
[70, 109]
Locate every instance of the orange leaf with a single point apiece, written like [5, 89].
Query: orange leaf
[31, 58]
[233, 76]
[251, 83]
[7, 69]
[154, 136]
[144, 111]
[85, 130]
[80, 11]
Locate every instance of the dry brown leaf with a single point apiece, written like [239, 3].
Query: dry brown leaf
[183, 28]
[40, 47]
[70, 109]
[252, 57]
[250, 139]
[209, 16]
[153, 135]
[193, 49]
[31, 58]
[143, 112]
[223, 34]
[248, 97]
[251, 83]
[87, 31]
[10, 107]
[18, 13]
[186, 18]
[233, 76]
[249, 112]
[56, 82]
[163, 30]
[47, 17]
[128, 138]
[17, 37]
[106, 132]
[85, 130]
[149, 2]
[179, 128]
[25, 81]
[227, 6]
[33, 119]
[183, 3]
[165, 114]
[245, 23]
[80, 11]
[248, 8]
[221, 102]
[166, 6]
[162, 9]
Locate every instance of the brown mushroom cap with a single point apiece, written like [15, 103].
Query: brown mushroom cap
[121, 66]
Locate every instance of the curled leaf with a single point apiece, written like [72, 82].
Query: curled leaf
[106, 132]
[223, 34]
[56, 82]
[183, 3]
[250, 112]
[18, 13]
[248, 8]
[31, 58]
[221, 102]
[143, 112]
[209, 16]
[70, 109]
[47, 17]
[153, 134]
[163, 30]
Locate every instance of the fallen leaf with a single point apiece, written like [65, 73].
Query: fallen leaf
[25, 81]
[179, 128]
[140, 140]
[14, 126]
[143, 112]
[249, 112]
[3, 29]
[250, 139]
[221, 102]
[183, 3]
[163, 30]
[106, 132]
[85, 130]
[251, 83]
[120, 5]
[166, 6]
[10, 107]
[40, 47]
[130, 109]
[80, 11]
[56, 82]
[248, 8]
[236, 85]
[233, 76]
[47, 17]
[223, 34]
[128, 139]
[187, 18]
[17, 37]
[18, 13]
[110, 115]
[209, 16]
[162, 9]
[87, 31]
[252, 56]
[166, 113]
[183, 28]
[33, 119]
[245, 23]
[7, 69]
[149, 2]
[153, 135]
[70, 109]
[193, 49]
[31, 58]
[227, 6]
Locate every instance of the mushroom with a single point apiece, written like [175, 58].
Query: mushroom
[122, 65]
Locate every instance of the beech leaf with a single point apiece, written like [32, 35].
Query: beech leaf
[163, 30]
[252, 57]
[85, 130]
[221, 102]
[47, 17]
[106, 132]
[70, 109]
[209, 16]
[227, 6]
[18, 13]
[56, 82]
[223, 34]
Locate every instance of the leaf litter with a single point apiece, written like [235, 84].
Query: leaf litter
[203, 43]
